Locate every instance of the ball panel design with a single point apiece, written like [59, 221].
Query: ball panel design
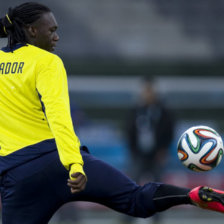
[200, 148]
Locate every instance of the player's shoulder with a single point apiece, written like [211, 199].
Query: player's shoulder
[41, 54]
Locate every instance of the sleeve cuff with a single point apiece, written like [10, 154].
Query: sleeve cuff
[76, 168]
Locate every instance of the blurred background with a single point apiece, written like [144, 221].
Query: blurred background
[110, 48]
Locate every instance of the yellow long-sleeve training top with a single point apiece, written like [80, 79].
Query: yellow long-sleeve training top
[35, 109]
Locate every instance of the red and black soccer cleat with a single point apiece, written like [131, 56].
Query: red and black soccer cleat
[208, 198]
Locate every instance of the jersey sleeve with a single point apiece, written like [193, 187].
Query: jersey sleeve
[52, 87]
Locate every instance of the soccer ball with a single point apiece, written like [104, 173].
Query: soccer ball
[200, 148]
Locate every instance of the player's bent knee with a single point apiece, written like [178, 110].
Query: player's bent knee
[142, 205]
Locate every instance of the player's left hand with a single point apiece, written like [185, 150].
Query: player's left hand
[77, 183]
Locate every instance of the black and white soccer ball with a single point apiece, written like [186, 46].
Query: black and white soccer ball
[200, 148]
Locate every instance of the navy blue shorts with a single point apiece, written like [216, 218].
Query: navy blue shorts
[31, 193]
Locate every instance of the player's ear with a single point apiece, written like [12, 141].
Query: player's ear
[32, 31]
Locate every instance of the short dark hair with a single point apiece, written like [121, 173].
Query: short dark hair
[13, 23]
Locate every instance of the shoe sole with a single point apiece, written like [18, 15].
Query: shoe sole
[208, 195]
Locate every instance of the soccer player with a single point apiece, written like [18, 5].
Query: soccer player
[41, 160]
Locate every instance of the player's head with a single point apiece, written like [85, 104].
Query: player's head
[148, 94]
[31, 23]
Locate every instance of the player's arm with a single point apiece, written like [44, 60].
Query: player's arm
[52, 87]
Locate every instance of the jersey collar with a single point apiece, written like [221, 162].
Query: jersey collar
[15, 47]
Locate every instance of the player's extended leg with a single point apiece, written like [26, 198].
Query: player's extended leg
[110, 187]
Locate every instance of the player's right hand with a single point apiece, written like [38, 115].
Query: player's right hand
[77, 183]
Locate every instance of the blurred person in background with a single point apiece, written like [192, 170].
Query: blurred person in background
[150, 133]
[42, 163]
